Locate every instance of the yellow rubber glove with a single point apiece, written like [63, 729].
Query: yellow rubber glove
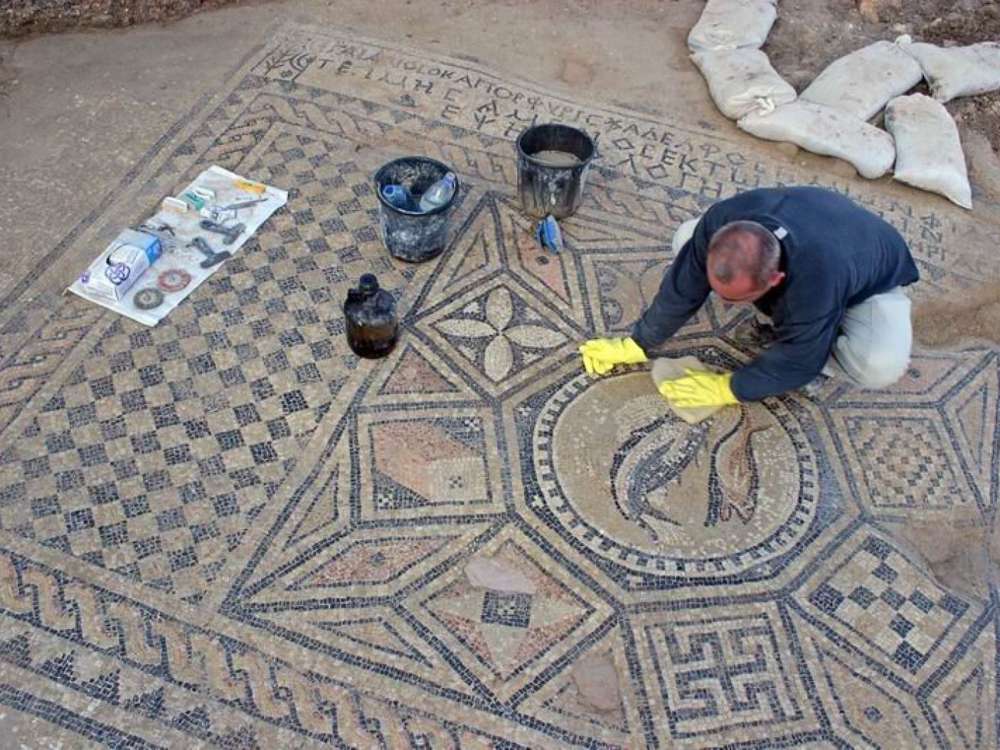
[601, 355]
[699, 388]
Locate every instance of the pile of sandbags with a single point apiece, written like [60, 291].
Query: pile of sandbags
[831, 116]
[725, 45]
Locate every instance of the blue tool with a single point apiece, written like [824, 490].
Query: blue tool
[399, 197]
[549, 235]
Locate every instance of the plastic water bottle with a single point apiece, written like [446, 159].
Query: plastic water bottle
[399, 196]
[439, 193]
[370, 314]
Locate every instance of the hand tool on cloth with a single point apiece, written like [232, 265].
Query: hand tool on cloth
[212, 258]
[231, 234]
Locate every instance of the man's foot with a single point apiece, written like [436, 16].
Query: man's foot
[754, 332]
[814, 389]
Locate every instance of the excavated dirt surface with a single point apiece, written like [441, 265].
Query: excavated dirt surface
[807, 36]
[974, 317]
[23, 17]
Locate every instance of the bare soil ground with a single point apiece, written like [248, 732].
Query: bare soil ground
[974, 318]
[809, 34]
[23, 17]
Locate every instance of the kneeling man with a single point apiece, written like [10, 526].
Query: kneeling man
[828, 273]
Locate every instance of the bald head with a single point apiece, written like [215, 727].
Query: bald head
[743, 261]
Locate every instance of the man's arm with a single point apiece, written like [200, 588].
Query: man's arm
[795, 359]
[683, 290]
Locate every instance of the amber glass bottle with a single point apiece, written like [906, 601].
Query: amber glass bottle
[370, 313]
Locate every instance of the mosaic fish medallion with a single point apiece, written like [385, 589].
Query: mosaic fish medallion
[627, 479]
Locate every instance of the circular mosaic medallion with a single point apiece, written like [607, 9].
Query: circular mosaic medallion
[643, 489]
[173, 280]
[147, 299]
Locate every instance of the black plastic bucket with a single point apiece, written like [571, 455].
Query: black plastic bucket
[547, 188]
[413, 236]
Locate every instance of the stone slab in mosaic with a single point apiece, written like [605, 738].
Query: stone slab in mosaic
[229, 531]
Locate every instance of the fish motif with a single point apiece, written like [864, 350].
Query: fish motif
[734, 484]
[652, 460]
[646, 464]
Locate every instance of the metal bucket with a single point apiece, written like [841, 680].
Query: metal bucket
[553, 187]
[413, 236]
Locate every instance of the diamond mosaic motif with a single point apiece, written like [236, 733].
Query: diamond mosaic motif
[498, 634]
[905, 466]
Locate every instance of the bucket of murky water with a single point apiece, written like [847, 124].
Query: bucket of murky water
[552, 165]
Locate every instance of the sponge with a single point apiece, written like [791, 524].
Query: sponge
[671, 368]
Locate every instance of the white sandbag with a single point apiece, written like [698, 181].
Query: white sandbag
[825, 131]
[862, 82]
[928, 150]
[742, 80]
[959, 71]
[728, 24]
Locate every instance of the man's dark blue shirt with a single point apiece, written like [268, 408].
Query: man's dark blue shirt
[834, 253]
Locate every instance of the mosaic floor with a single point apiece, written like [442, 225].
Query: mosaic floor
[228, 531]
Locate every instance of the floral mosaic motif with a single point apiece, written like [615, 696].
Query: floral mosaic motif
[500, 331]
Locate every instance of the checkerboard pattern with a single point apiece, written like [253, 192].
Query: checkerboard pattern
[878, 594]
[510, 609]
[162, 447]
[905, 465]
